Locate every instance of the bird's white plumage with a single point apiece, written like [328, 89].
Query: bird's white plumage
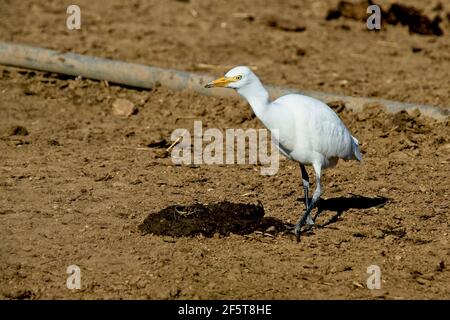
[309, 131]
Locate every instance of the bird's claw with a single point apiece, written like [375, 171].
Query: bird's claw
[297, 232]
[309, 222]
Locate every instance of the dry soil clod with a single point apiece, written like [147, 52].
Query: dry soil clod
[123, 108]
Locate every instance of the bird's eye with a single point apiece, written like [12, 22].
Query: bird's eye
[238, 77]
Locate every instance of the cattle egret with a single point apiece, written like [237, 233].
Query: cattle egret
[309, 131]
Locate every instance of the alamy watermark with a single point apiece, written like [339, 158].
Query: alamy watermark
[374, 21]
[374, 280]
[212, 146]
[73, 21]
[74, 279]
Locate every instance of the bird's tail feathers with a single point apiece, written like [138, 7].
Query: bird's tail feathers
[356, 152]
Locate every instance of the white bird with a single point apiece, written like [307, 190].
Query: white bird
[308, 130]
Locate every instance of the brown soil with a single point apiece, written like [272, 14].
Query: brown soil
[81, 186]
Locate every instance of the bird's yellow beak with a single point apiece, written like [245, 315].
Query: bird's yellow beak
[221, 82]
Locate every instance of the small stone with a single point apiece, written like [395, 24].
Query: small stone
[168, 239]
[271, 229]
[123, 108]
[378, 234]
[349, 9]
[30, 91]
[161, 154]
[141, 284]
[27, 248]
[422, 281]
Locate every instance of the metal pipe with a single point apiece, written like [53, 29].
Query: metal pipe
[143, 76]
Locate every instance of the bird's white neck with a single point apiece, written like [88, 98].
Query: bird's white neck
[257, 96]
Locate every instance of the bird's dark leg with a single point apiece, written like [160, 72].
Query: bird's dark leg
[305, 179]
[306, 218]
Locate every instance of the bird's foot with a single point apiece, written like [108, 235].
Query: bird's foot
[305, 220]
[309, 221]
[297, 232]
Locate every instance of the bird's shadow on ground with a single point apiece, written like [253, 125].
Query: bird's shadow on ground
[225, 217]
[341, 204]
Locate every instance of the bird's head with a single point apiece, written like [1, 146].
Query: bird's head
[236, 78]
